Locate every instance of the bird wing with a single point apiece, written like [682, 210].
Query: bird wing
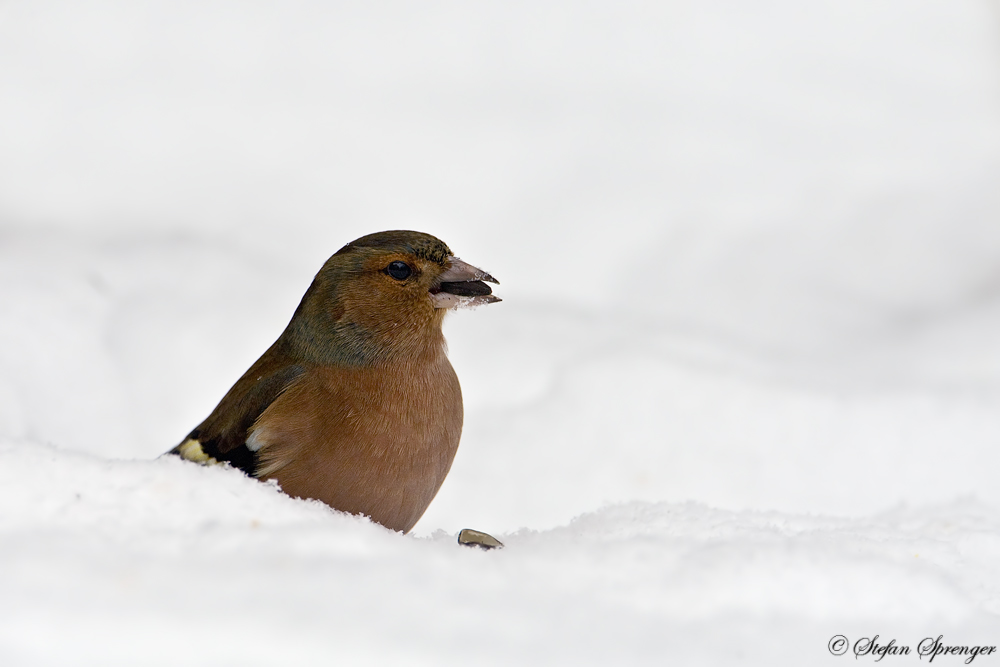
[222, 437]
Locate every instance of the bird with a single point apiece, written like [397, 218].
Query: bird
[356, 403]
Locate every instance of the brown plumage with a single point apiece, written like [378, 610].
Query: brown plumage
[356, 403]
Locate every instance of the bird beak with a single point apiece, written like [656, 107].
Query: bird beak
[462, 286]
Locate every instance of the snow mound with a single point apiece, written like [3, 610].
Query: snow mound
[178, 563]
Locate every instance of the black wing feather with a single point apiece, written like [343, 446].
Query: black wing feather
[223, 434]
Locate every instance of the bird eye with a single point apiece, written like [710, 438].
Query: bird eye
[398, 270]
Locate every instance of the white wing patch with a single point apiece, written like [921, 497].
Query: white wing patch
[255, 441]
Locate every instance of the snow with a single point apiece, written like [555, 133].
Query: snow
[741, 395]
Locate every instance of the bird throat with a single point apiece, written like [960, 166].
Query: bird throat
[347, 343]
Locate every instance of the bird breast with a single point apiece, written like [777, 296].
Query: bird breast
[373, 441]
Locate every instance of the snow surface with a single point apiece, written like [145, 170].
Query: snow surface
[741, 395]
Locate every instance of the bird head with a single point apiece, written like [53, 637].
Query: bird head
[384, 296]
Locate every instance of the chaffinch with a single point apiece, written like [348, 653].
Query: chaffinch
[356, 403]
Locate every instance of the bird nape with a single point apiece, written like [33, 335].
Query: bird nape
[356, 403]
